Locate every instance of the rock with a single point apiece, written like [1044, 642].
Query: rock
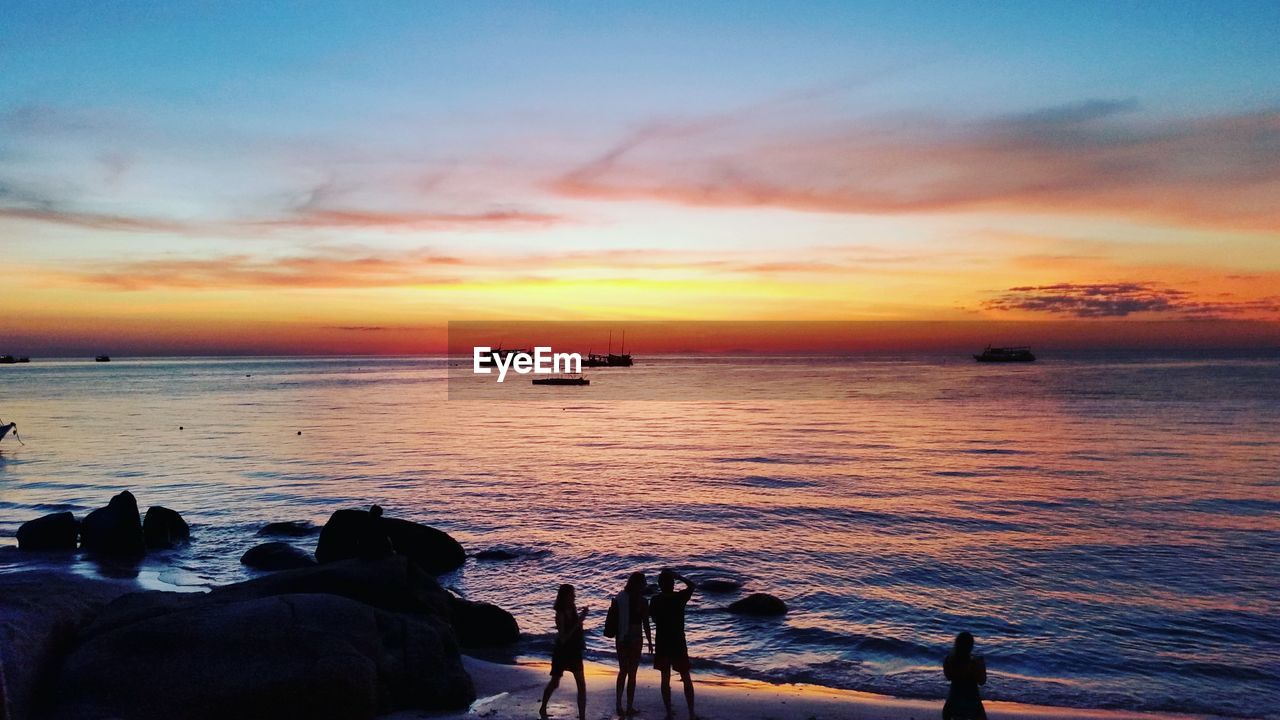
[393, 584]
[502, 554]
[761, 604]
[719, 585]
[482, 624]
[164, 528]
[51, 532]
[276, 556]
[40, 612]
[290, 528]
[115, 529]
[281, 656]
[430, 549]
[496, 555]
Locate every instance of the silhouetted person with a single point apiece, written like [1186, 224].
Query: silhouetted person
[374, 542]
[5, 429]
[633, 630]
[567, 653]
[670, 650]
[966, 672]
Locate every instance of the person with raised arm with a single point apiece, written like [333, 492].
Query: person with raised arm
[671, 652]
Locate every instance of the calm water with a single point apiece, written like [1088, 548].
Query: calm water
[1108, 528]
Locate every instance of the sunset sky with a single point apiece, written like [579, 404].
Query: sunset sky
[347, 177]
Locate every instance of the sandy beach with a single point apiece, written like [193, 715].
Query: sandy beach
[512, 692]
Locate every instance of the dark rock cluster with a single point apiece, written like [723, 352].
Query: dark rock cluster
[116, 529]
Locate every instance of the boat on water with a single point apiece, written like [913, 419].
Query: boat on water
[11, 360]
[1005, 354]
[102, 358]
[607, 360]
[610, 359]
[561, 380]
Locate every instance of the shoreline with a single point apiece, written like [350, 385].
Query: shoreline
[513, 692]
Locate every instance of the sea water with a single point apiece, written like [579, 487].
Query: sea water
[1107, 526]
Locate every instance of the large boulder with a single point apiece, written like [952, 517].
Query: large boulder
[289, 528]
[115, 529]
[276, 556]
[481, 624]
[40, 613]
[164, 528]
[58, 531]
[759, 604]
[280, 656]
[346, 534]
[392, 584]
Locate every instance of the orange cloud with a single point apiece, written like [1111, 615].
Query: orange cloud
[1084, 158]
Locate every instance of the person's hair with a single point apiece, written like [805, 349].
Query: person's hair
[964, 646]
[635, 583]
[565, 599]
[376, 511]
[667, 580]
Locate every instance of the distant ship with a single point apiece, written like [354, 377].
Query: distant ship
[1005, 354]
[610, 359]
[562, 380]
[102, 358]
[11, 360]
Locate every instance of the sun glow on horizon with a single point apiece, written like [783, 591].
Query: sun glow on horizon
[222, 192]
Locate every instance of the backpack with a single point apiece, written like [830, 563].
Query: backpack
[611, 620]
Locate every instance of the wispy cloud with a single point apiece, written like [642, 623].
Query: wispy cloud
[1094, 157]
[412, 220]
[1114, 300]
[334, 269]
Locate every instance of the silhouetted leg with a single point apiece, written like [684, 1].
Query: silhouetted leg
[546, 694]
[582, 694]
[666, 691]
[622, 682]
[688, 692]
[631, 688]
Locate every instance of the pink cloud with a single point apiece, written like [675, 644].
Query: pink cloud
[1085, 158]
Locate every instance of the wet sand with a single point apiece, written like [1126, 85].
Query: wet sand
[513, 692]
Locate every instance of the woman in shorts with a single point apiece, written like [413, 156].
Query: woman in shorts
[566, 656]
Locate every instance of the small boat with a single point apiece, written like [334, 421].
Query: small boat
[102, 358]
[1005, 354]
[610, 359]
[561, 380]
[11, 360]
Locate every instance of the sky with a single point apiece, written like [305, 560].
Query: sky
[227, 177]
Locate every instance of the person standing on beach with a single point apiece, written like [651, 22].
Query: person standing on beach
[671, 652]
[569, 646]
[632, 619]
[966, 673]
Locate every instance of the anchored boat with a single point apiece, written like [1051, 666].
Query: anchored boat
[1005, 354]
[561, 380]
[610, 359]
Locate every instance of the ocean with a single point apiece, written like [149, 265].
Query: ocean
[1106, 525]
